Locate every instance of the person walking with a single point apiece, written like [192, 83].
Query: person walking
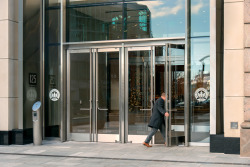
[157, 119]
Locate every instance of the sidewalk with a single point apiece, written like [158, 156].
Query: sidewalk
[55, 153]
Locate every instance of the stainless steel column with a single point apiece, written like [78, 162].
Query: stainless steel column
[123, 137]
[62, 80]
[187, 72]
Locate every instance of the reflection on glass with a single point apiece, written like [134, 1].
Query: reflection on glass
[93, 20]
[52, 76]
[80, 93]
[200, 78]
[176, 72]
[52, 26]
[139, 92]
[200, 18]
[108, 93]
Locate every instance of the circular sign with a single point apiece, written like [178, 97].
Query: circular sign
[54, 95]
[201, 94]
[31, 94]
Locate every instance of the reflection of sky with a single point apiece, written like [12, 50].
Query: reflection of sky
[167, 17]
[200, 48]
[200, 12]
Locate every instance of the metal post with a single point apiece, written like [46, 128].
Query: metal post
[187, 72]
[37, 123]
[61, 72]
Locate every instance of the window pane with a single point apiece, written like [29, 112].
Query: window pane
[200, 15]
[132, 19]
[200, 90]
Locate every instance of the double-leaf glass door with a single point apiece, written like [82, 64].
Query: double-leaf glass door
[93, 95]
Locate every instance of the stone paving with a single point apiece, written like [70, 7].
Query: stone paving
[55, 153]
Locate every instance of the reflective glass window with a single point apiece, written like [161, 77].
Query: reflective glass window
[93, 20]
[200, 90]
[200, 15]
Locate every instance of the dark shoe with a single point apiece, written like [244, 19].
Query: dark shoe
[146, 144]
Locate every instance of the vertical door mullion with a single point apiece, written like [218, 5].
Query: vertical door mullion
[167, 94]
[96, 94]
[170, 95]
[152, 81]
[126, 98]
[68, 96]
[90, 91]
[122, 94]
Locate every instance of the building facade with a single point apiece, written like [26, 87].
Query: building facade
[98, 66]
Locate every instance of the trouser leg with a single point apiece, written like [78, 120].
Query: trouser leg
[163, 133]
[150, 135]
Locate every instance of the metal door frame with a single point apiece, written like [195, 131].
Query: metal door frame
[98, 137]
[138, 48]
[77, 136]
[93, 53]
[168, 89]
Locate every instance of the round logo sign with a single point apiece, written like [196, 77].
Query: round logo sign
[31, 94]
[54, 95]
[201, 94]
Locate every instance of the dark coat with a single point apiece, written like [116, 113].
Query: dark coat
[157, 118]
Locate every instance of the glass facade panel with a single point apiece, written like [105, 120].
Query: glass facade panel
[200, 18]
[200, 99]
[31, 59]
[90, 20]
[52, 113]
[52, 64]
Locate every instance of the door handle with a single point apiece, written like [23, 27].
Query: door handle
[145, 109]
[84, 109]
[103, 109]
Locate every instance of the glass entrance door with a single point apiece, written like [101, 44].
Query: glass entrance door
[140, 92]
[107, 94]
[93, 95]
[175, 96]
[79, 96]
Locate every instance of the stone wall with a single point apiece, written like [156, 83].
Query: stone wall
[233, 67]
[245, 126]
[8, 68]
